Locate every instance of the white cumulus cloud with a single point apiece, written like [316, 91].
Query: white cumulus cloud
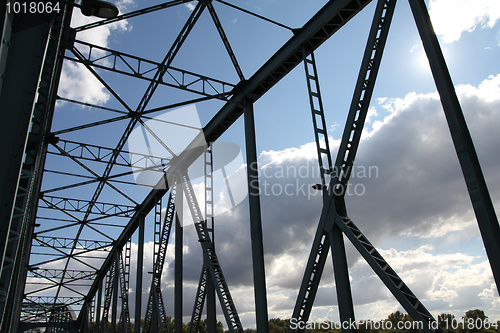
[451, 18]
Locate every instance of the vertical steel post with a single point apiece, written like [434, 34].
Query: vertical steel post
[211, 306]
[114, 306]
[209, 220]
[98, 310]
[23, 48]
[138, 286]
[259, 274]
[154, 315]
[469, 162]
[178, 265]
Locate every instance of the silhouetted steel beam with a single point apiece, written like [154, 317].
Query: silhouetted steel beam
[24, 45]
[140, 268]
[22, 52]
[462, 140]
[259, 275]
[223, 36]
[322, 26]
[178, 266]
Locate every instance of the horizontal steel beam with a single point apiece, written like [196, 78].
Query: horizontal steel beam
[80, 205]
[95, 153]
[123, 63]
[68, 243]
[53, 273]
[323, 25]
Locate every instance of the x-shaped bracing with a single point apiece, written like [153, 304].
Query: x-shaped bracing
[334, 221]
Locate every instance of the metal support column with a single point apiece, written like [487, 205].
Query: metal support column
[22, 55]
[178, 265]
[138, 286]
[30, 66]
[114, 308]
[259, 275]
[98, 310]
[24, 41]
[209, 220]
[469, 162]
[330, 231]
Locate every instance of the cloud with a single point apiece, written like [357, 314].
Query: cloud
[76, 81]
[451, 18]
[191, 6]
[409, 184]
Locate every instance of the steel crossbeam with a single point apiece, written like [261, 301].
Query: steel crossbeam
[362, 95]
[130, 65]
[81, 205]
[96, 153]
[389, 277]
[318, 118]
[464, 147]
[68, 243]
[57, 273]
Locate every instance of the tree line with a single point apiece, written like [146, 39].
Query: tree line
[473, 321]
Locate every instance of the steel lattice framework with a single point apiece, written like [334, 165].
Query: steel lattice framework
[66, 241]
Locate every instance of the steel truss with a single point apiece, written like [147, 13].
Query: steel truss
[210, 260]
[74, 223]
[334, 219]
[155, 307]
[206, 289]
[137, 67]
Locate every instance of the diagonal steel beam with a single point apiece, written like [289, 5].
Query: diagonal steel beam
[471, 168]
[328, 234]
[227, 45]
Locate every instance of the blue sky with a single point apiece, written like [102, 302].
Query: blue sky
[413, 205]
